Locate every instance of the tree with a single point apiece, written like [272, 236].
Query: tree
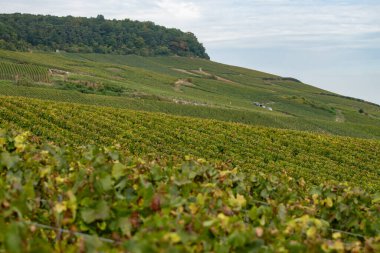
[77, 34]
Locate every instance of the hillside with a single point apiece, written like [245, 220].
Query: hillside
[186, 86]
[123, 153]
[152, 191]
[317, 158]
[104, 149]
[78, 34]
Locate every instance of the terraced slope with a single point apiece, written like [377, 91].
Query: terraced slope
[314, 157]
[207, 90]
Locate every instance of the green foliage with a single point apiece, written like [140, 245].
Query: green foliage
[23, 74]
[146, 83]
[149, 188]
[98, 35]
[315, 157]
[91, 198]
[90, 87]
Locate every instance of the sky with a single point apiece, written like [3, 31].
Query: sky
[331, 44]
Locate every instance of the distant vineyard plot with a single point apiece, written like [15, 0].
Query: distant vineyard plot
[12, 71]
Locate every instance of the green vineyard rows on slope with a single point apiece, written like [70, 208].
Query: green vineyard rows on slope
[102, 199]
[11, 71]
[315, 157]
[210, 112]
[148, 83]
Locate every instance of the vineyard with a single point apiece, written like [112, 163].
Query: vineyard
[11, 71]
[113, 156]
[104, 200]
[317, 158]
[148, 83]
[230, 115]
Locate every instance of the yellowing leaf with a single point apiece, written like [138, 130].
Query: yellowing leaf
[224, 173]
[336, 235]
[329, 202]
[315, 198]
[43, 172]
[338, 246]
[224, 220]
[60, 179]
[200, 199]
[2, 141]
[118, 170]
[20, 141]
[72, 203]
[201, 160]
[311, 232]
[172, 237]
[376, 198]
[193, 208]
[60, 207]
[101, 225]
[238, 202]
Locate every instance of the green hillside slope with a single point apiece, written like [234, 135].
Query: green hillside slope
[316, 158]
[105, 149]
[190, 87]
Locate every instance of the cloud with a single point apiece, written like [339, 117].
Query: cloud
[244, 23]
[261, 23]
[180, 9]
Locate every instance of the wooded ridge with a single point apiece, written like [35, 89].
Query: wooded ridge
[95, 35]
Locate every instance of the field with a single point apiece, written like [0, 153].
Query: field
[197, 88]
[168, 154]
[258, 149]
[104, 199]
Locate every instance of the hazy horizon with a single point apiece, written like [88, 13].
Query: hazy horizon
[334, 45]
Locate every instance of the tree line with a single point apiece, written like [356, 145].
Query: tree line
[25, 32]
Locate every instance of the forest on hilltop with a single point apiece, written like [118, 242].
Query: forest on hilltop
[95, 35]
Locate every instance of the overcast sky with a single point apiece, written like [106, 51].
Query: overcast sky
[332, 44]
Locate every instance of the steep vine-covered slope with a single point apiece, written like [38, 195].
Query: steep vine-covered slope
[103, 150]
[315, 157]
[186, 86]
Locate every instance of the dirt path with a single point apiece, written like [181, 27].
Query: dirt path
[182, 82]
[186, 72]
[339, 117]
[202, 72]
